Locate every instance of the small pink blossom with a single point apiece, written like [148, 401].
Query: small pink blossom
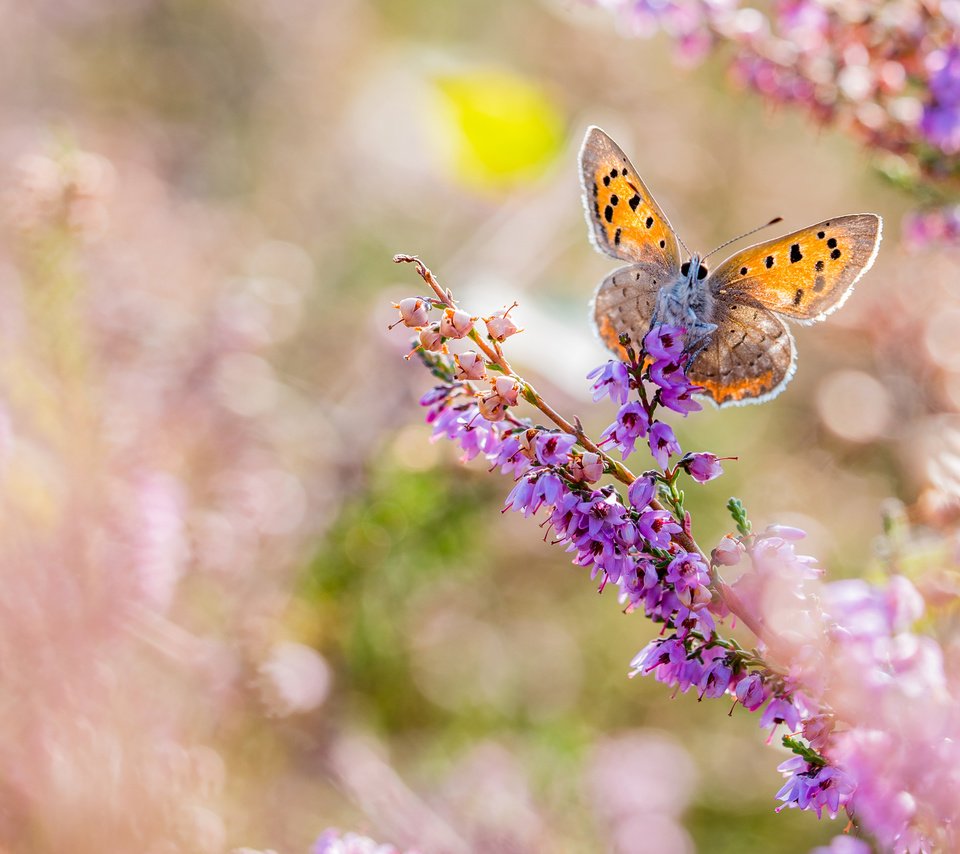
[470, 366]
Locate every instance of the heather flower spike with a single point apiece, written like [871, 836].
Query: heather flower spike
[835, 668]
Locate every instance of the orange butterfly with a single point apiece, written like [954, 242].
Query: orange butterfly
[741, 350]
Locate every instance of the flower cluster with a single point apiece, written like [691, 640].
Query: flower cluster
[887, 72]
[334, 842]
[836, 664]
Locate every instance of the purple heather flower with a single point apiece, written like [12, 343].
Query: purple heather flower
[631, 424]
[553, 449]
[656, 653]
[523, 497]
[641, 492]
[940, 123]
[657, 527]
[751, 692]
[716, 679]
[702, 467]
[664, 343]
[780, 711]
[678, 398]
[687, 571]
[697, 620]
[435, 395]
[602, 509]
[944, 68]
[510, 458]
[814, 787]
[550, 488]
[667, 374]
[612, 379]
[663, 443]
[331, 841]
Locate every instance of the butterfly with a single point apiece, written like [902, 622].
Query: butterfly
[740, 349]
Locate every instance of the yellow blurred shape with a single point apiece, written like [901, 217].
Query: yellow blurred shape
[499, 129]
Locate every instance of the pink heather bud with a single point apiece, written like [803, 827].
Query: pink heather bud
[527, 441]
[470, 366]
[784, 532]
[500, 327]
[492, 406]
[455, 323]
[431, 339]
[695, 597]
[728, 551]
[509, 389]
[817, 729]
[588, 467]
[414, 312]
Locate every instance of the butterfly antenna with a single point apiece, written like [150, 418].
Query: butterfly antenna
[774, 221]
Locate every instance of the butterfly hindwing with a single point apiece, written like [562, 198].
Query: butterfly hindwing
[750, 357]
[807, 274]
[624, 219]
[624, 303]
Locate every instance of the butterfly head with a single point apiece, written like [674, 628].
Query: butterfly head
[693, 270]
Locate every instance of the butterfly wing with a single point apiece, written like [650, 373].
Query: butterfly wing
[624, 303]
[750, 357]
[623, 217]
[807, 274]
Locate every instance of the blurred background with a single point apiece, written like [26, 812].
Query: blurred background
[244, 598]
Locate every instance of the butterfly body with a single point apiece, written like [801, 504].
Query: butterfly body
[687, 303]
[740, 350]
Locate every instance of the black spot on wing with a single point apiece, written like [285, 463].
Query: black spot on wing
[821, 234]
[768, 261]
[608, 213]
[616, 238]
[663, 244]
[743, 271]
[649, 222]
[634, 202]
[835, 254]
[832, 243]
[819, 266]
[606, 180]
[798, 296]
[795, 254]
[614, 200]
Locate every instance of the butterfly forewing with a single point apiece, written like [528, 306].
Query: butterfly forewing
[807, 274]
[749, 358]
[624, 219]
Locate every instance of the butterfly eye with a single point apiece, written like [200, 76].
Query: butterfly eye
[685, 268]
[702, 272]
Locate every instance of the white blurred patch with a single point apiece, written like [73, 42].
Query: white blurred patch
[294, 679]
[854, 406]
